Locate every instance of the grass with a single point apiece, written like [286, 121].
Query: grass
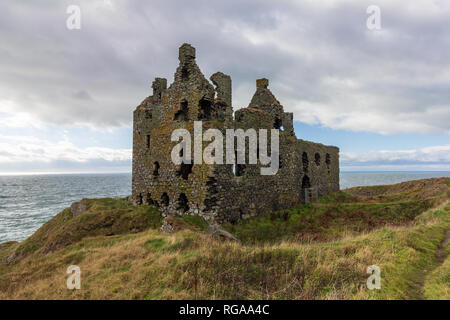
[314, 251]
[437, 284]
[326, 221]
[105, 217]
[196, 222]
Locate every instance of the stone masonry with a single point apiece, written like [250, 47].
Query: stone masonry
[221, 192]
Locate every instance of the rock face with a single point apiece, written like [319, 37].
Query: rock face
[11, 258]
[221, 192]
[216, 230]
[78, 208]
[167, 227]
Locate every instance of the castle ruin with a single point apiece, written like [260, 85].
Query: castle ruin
[221, 192]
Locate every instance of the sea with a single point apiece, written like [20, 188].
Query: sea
[28, 201]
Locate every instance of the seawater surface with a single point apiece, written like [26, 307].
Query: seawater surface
[28, 201]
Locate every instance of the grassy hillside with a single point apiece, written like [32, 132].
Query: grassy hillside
[314, 251]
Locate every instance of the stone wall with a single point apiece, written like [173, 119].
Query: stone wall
[221, 192]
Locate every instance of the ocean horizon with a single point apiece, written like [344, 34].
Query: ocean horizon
[28, 200]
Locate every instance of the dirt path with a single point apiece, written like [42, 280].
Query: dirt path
[440, 252]
[440, 256]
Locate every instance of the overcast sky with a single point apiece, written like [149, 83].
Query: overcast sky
[382, 96]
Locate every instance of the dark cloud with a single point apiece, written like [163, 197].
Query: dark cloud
[82, 95]
[323, 63]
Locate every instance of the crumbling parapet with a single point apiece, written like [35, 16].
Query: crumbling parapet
[264, 99]
[262, 83]
[223, 87]
[223, 103]
[158, 86]
[186, 53]
[288, 123]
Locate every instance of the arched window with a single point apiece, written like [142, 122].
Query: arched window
[165, 199]
[183, 203]
[317, 159]
[306, 192]
[148, 114]
[277, 123]
[184, 74]
[328, 162]
[240, 169]
[185, 170]
[204, 112]
[306, 183]
[305, 161]
[156, 169]
[183, 113]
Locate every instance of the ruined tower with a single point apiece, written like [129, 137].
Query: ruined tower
[221, 192]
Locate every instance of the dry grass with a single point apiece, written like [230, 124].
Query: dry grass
[191, 265]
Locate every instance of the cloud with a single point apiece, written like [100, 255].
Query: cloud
[27, 153]
[432, 158]
[19, 120]
[323, 63]
[82, 95]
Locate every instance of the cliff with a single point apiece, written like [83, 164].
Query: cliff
[314, 251]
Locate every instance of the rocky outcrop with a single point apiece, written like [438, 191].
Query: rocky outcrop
[11, 258]
[167, 226]
[216, 230]
[79, 207]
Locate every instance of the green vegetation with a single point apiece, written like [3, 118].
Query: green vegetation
[313, 251]
[326, 221]
[437, 284]
[196, 221]
[105, 217]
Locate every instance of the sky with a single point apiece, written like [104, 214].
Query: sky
[381, 95]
